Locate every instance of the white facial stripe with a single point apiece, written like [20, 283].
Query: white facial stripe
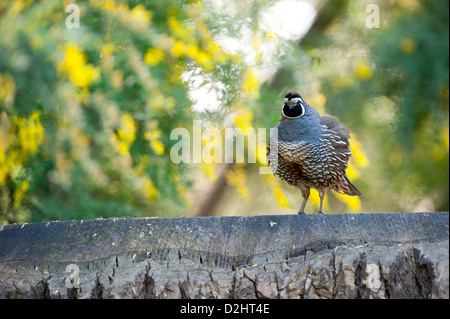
[296, 100]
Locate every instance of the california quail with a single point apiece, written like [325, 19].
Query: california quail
[310, 151]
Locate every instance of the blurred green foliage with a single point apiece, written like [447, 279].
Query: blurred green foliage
[86, 113]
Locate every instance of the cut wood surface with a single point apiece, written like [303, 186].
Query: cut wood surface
[376, 255]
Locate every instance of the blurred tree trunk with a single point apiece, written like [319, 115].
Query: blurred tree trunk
[328, 11]
[208, 204]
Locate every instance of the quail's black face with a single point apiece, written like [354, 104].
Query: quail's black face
[293, 105]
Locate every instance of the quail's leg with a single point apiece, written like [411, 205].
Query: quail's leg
[302, 208]
[322, 196]
[305, 194]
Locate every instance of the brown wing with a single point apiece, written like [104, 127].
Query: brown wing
[339, 136]
[333, 124]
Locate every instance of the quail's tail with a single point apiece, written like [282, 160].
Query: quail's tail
[347, 188]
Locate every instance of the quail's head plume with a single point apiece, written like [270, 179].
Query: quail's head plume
[310, 151]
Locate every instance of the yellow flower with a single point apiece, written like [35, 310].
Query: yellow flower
[139, 18]
[237, 177]
[155, 143]
[31, 132]
[274, 185]
[261, 153]
[149, 189]
[192, 51]
[75, 67]
[3, 167]
[19, 139]
[144, 183]
[352, 202]
[84, 75]
[19, 193]
[440, 150]
[109, 5]
[251, 84]
[107, 50]
[82, 95]
[216, 52]
[203, 60]
[184, 41]
[358, 154]
[153, 56]
[127, 130]
[177, 49]
[208, 170]
[156, 100]
[125, 135]
[318, 102]
[16, 7]
[411, 5]
[320, 99]
[176, 28]
[363, 70]
[352, 172]
[281, 198]
[244, 119]
[72, 58]
[342, 81]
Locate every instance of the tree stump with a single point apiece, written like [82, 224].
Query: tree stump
[376, 255]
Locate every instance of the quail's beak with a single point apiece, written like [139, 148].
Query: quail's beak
[289, 103]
